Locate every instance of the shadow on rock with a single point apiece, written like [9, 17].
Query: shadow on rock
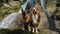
[5, 31]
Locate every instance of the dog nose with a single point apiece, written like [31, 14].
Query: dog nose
[34, 12]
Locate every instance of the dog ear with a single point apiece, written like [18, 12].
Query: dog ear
[58, 5]
[22, 10]
[23, 13]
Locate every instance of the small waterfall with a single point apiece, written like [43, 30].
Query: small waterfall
[43, 5]
[25, 5]
[33, 3]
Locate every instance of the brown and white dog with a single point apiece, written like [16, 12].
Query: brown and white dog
[35, 15]
[27, 20]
